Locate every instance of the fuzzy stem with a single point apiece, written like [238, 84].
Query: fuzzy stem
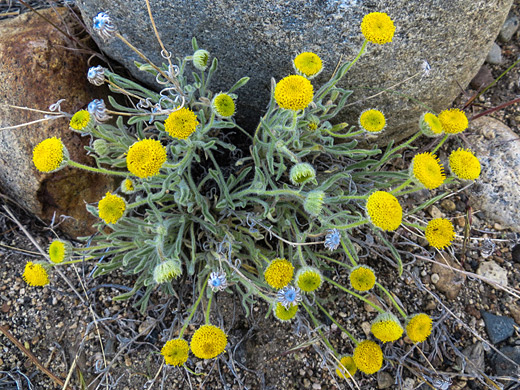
[208, 309]
[396, 305]
[187, 321]
[316, 323]
[97, 170]
[338, 325]
[440, 144]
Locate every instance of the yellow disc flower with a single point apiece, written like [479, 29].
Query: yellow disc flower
[439, 233]
[181, 123]
[128, 186]
[308, 279]
[428, 170]
[377, 27]
[223, 105]
[35, 275]
[362, 278]
[387, 328]
[419, 327]
[384, 210]
[348, 366]
[50, 155]
[145, 158]
[208, 342]
[279, 273]
[464, 164]
[111, 208]
[81, 121]
[294, 92]
[368, 357]
[373, 121]
[175, 352]
[59, 251]
[285, 314]
[308, 64]
[453, 121]
[430, 125]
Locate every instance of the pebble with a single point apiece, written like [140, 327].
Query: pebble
[509, 28]
[448, 205]
[450, 282]
[316, 386]
[483, 78]
[505, 367]
[475, 362]
[515, 253]
[435, 278]
[366, 328]
[498, 328]
[497, 226]
[434, 212]
[408, 384]
[384, 380]
[494, 56]
[307, 383]
[492, 271]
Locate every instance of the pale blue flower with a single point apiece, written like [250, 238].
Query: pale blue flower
[96, 75]
[102, 24]
[332, 239]
[218, 281]
[289, 296]
[98, 110]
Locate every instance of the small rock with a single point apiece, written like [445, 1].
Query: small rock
[509, 28]
[472, 311]
[492, 271]
[384, 380]
[366, 328]
[316, 386]
[448, 205]
[450, 282]
[515, 253]
[307, 383]
[483, 78]
[515, 312]
[372, 298]
[434, 212]
[498, 328]
[435, 278]
[475, 359]
[460, 221]
[147, 325]
[497, 226]
[408, 384]
[503, 366]
[494, 56]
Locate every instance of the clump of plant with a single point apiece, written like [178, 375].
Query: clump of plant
[269, 226]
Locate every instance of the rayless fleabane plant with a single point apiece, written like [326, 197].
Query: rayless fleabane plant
[268, 226]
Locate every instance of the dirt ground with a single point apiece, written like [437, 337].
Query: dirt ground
[73, 328]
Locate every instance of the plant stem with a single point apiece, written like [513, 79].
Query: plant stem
[187, 321]
[440, 144]
[396, 305]
[97, 170]
[336, 322]
[352, 225]
[316, 324]
[360, 297]
[351, 258]
[208, 309]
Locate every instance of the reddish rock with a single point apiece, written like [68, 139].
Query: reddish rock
[450, 282]
[38, 66]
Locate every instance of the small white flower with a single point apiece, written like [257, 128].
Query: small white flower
[218, 281]
[102, 24]
[96, 75]
[98, 110]
[289, 296]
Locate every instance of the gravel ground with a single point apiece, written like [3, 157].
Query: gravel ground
[56, 326]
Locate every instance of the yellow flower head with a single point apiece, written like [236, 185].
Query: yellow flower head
[59, 251]
[384, 210]
[175, 352]
[453, 121]
[279, 273]
[368, 357]
[419, 327]
[181, 123]
[428, 170]
[430, 125]
[313, 126]
[308, 64]
[223, 105]
[145, 158]
[294, 92]
[372, 121]
[464, 164]
[362, 278]
[308, 279]
[35, 275]
[208, 342]
[439, 233]
[201, 59]
[347, 367]
[81, 121]
[285, 314]
[50, 155]
[387, 328]
[111, 208]
[377, 27]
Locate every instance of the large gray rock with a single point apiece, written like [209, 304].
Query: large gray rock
[497, 191]
[259, 39]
